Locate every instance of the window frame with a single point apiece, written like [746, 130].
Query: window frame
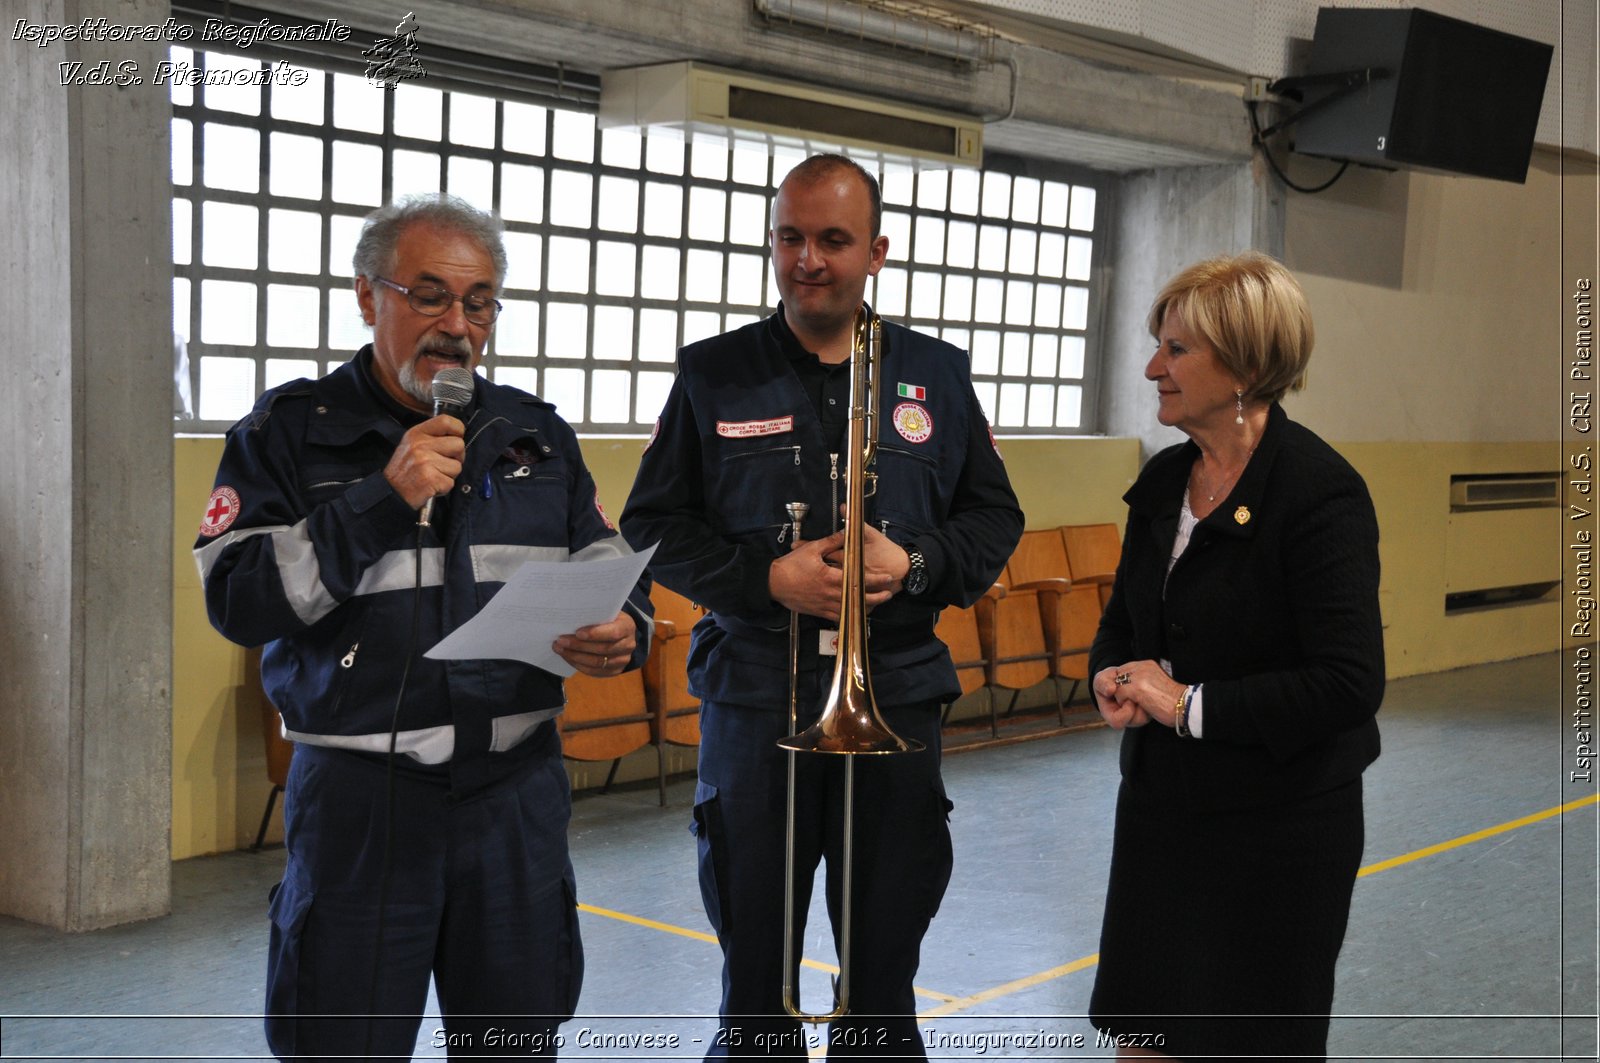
[192, 275]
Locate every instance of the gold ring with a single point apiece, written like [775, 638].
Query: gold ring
[1124, 678]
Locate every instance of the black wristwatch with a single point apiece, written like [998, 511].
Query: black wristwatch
[916, 580]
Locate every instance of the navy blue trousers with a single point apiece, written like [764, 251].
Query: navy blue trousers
[479, 896]
[902, 866]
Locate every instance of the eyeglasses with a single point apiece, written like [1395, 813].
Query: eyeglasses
[435, 302]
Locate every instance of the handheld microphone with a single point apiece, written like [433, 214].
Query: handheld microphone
[452, 394]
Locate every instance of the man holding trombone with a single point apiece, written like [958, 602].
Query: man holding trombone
[764, 440]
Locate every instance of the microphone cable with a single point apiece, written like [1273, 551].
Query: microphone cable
[386, 863]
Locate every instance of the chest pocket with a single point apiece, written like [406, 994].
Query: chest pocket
[339, 456]
[529, 481]
[910, 498]
[751, 481]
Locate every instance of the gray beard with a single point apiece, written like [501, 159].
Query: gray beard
[412, 386]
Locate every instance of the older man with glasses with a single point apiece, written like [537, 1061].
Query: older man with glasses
[426, 811]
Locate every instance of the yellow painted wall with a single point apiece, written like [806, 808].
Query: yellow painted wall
[219, 775]
[1410, 485]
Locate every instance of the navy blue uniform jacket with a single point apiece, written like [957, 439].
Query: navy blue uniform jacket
[739, 438]
[318, 559]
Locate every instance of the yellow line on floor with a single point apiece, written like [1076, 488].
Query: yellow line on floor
[1477, 836]
[1371, 869]
[681, 931]
[1010, 987]
[700, 935]
[953, 1004]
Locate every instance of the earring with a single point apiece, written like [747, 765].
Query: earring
[1238, 406]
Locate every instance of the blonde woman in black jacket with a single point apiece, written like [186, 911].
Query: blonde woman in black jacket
[1242, 652]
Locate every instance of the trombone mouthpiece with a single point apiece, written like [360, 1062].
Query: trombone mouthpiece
[797, 510]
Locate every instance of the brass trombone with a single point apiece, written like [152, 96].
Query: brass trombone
[850, 723]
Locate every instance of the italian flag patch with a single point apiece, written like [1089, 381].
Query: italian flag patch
[911, 391]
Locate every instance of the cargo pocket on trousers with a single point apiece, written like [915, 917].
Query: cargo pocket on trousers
[288, 905]
[712, 844]
[572, 946]
[941, 853]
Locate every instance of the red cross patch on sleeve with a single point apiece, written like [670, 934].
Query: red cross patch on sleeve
[222, 509]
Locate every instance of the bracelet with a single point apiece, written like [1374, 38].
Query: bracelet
[1180, 713]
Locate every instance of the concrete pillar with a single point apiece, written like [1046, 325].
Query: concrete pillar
[85, 412]
[1165, 220]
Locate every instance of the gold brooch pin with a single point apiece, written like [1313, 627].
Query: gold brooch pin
[1241, 515]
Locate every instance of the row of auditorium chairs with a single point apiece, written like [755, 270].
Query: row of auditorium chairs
[1037, 623]
[606, 719]
[1034, 625]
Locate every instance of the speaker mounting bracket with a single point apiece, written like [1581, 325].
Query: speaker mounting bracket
[1344, 82]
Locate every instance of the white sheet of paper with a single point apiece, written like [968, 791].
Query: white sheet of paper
[541, 601]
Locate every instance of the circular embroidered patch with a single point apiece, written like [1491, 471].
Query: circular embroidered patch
[222, 509]
[913, 422]
[598, 508]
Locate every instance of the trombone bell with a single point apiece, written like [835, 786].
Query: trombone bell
[849, 724]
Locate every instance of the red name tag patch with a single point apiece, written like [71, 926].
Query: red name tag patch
[746, 429]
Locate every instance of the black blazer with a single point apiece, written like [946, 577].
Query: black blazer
[1273, 606]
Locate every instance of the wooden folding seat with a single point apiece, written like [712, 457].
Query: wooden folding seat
[958, 629]
[675, 718]
[605, 719]
[1011, 629]
[1093, 552]
[1070, 616]
[279, 750]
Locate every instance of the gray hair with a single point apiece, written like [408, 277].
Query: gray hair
[374, 255]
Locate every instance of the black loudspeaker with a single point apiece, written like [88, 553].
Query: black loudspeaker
[1457, 98]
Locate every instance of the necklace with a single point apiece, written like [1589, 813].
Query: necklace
[1228, 481]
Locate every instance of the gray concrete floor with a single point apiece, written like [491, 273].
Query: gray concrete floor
[1483, 950]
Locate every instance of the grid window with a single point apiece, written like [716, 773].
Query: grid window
[622, 246]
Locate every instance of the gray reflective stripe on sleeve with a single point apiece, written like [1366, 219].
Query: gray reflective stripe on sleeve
[602, 549]
[397, 571]
[301, 574]
[508, 732]
[205, 557]
[430, 745]
[497, 563]
[298, 571]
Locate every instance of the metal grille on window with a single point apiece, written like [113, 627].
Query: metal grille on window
[622, 247]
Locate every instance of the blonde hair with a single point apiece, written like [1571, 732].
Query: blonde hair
[1251, 311]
